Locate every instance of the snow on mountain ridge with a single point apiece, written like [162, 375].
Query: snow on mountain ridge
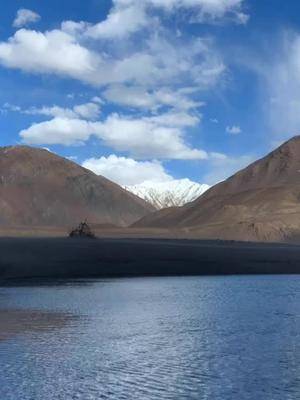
[169, 193]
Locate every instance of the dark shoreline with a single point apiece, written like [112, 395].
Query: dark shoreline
[23, 258]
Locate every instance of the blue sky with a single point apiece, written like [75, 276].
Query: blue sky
[161, 89]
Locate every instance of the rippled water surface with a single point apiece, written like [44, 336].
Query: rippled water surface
[214, 338]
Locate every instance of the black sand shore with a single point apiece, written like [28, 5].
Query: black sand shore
[72, 258]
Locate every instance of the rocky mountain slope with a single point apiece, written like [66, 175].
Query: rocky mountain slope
[39, 188]
[259, 203]
[169, 194]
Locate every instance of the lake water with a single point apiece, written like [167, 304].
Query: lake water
[216, 338]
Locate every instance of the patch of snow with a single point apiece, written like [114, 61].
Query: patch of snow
[169, 194]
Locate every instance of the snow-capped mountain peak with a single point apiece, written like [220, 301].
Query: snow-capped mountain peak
[169, 193]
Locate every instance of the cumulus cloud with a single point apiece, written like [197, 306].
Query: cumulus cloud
[146, 138]
[25, 17]
[233, 130]
[160, 61]
[50, 52]
[59, 130]
[160, 137]
[127, 171]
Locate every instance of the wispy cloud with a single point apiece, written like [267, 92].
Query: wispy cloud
[234, 130]
[281, 87]
[25, 17]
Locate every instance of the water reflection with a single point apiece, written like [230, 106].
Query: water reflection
[22, 322]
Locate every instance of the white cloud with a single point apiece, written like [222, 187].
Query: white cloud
[127, 171]
[50, 52]
[242, 18]
[159, 62]
[203, 10]
[219, 9]
[120, 22]
[160, 137]
[11, 107]
[234, 130]
[59, 130]
[25, 17]
[127, 17]
[132, 96]
[89, 111]
[146, 138]
[97, 99]
[174, 118]
[73, 28]
[141, 97]
[54, 111]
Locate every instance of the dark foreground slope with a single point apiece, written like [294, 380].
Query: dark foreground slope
[39, 188]
[71, 258]
[259, 203]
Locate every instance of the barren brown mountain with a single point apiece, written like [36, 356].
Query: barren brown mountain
[259, 203]
[39, 188]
